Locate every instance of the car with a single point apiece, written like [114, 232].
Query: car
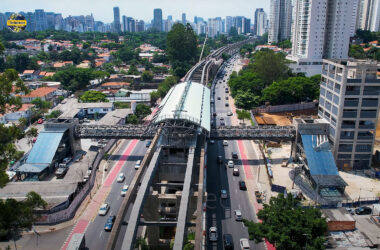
[221, 119]
[229, 113]
[236, 172]
[238, 215]
[148, 144]
[61, 172]
[109, 223]
[228, 242]
[230, 164]
[222, 123]
[213, 234]
[242, 185]
[226, 105]
[103, 210]
[219, 159]
[225, 143]
[124, 190]
[234, 155]
[120, 177]
[212, 141]
[34, 140]
[218, 97]
[363, 210]
[214, 114]
[66, 160]
[244, 244]
[350, 210]
[223, 194]
[137, 165]
[40, 121]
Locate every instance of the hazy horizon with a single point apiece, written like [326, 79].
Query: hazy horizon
[103, 9]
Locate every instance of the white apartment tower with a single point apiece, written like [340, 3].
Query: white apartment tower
[280, 20]
[260, 26]
[349, 101]
[368, 15]
[321, 29]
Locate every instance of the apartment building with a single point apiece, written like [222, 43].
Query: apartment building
[280, 20]
[349, 101]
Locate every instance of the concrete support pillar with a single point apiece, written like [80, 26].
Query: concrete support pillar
[150, 213]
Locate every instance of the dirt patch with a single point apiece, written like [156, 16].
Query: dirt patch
[286, 118]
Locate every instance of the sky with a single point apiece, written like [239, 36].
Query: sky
[140, 9]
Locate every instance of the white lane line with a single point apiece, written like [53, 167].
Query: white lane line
[239, 206]
[118, 197]
[100, 235]
[235, 191]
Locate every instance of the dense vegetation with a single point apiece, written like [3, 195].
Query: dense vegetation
[181, 48]
[269, 79]
[357, 51]
[93, 96]
[287, 225]
[163, 88]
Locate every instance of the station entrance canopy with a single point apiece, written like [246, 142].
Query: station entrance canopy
[188, 101]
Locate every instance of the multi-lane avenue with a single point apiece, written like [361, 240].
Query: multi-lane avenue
[221, 211]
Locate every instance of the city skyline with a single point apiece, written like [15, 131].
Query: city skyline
[99, 8]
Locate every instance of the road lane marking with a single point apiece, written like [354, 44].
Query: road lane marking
[100, 235]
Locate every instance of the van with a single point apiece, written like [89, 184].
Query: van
[138, 163]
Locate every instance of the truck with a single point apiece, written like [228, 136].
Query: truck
[77, 242]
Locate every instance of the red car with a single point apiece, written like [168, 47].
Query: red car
[40, 121]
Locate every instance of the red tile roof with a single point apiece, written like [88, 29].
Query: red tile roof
[108, 84]
[40, 92]
[28, 71]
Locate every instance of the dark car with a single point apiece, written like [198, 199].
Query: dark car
[214, 114]
[61, 172]
[218, 98]
[109, 223]
[219, 159]
[242, 185]
[148, 144]
[363, 210]
[228, 242]
[227, 105]
[234, 155]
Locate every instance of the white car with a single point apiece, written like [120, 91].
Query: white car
[120, 177]
[238, 215]
[66, 160]
[212, 141]
[103, 210]
[137, 165]
[230, 164]
[213, 234]
[223, 194]
[225, 143]
[244, 244]
[124, 190]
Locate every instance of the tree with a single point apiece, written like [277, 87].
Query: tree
[292, 90]
[131, 119]
[270, 66]
[181, 48]
[15, 215]
[243, 114]
[54, 114]
[142, 110]
[41, 104]
[356, 51]
[154, 96]
[1, 48]
[233, 32]
[10, 81]
[147, 76]
[125, 54]
[133, 70]
[141, 244]
[288, 225]
[93, 96]
[21, 61]
[31, 133]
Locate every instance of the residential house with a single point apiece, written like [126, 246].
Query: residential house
[44, 93]
[13, 116]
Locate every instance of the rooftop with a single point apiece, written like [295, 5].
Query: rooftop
[40, 92]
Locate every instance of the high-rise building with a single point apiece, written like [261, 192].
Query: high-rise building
[238, 24]
[349, 100]
[195, 19]
[170, 17]
[214, 26]
[3, 21]
[368, 17]
[257, 12]
[321, 29]
[41, 22]
[140, 26]
[260, 26]
[131, 24]
[124, 23]
[229, 23]
[246, 27]
[89, 23]
[184, 18]
[280, 20]
[116, 19]
[157, 21]
[168, 25]
[30, 21]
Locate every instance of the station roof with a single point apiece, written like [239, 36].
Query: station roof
[321, 162]
[186, 101]
[44, 149]
[32, 168]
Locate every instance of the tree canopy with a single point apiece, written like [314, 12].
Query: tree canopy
[142, 110]
[287, 225]
[147, 76]
[93, 96]
[181, 48]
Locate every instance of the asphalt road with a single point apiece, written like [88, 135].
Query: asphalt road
[220, 212]
[96, 237]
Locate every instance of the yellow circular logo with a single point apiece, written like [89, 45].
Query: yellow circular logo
[16, 22]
